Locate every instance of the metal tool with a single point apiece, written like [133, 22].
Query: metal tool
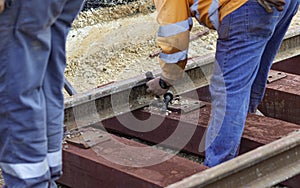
[168, 97]
[69, 88]
[149, 76]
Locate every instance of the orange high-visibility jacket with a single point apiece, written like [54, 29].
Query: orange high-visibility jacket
[175, 22]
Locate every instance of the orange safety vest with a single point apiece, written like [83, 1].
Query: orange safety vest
[175, 20]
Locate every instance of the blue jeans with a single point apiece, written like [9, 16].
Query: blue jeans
[32, 62]
[248, 40]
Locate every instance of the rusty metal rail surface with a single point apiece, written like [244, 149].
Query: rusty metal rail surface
[274, 161]
[262, 167]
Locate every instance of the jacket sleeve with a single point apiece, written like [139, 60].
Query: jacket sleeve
[175, 24]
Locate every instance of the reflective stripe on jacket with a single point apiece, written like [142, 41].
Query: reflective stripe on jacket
[175, 20]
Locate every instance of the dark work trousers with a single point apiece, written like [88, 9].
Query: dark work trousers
[32, 62]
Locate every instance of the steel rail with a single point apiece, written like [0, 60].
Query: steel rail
[96, 105]
[261, 167]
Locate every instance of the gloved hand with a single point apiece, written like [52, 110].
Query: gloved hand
[2, 5]
[157, 86]
[269, 4]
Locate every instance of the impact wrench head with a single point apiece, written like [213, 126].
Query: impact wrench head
[168, 97]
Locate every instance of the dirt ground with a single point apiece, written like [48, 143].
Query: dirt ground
[114, 43]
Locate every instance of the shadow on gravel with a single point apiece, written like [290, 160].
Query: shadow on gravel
[104, 3]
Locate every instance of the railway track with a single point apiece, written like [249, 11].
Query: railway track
[95, 156]
[103, 126]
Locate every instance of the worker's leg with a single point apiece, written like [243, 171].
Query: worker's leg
[53, 86]
[259, 85]
[24, 52]
[243, 36]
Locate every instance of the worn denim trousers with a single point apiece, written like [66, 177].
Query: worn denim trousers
[248, 40]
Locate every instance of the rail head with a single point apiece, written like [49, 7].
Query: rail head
[265, 166]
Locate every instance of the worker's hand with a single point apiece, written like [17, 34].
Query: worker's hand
[2, 5]
[269, 4]
[157, 86]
